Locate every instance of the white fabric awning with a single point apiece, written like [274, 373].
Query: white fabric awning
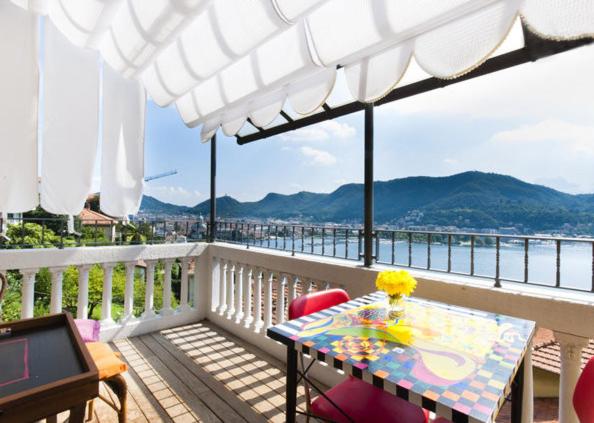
[222, 61]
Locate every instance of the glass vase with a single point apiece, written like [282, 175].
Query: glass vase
[395, 306]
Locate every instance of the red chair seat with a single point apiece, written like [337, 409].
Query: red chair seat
[364, 402]
[584, 393]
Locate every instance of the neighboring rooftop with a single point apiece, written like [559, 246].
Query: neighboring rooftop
[546, 354]
[91, 217]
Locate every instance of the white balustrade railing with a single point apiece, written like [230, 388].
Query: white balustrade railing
[247, 290]
[247, 305]
[133, 257]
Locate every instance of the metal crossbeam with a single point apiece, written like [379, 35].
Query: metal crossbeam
[535, 48]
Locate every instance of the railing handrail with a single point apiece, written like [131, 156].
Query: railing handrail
[295, 237]
[415, 231]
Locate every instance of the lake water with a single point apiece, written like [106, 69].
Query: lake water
[576, 258]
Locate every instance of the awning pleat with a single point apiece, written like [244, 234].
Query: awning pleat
[371, 78]
[461, 45]
[122, 160]
[71, 122]
[19, 79]
[560, 19]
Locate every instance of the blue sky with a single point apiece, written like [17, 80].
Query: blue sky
[535, 122]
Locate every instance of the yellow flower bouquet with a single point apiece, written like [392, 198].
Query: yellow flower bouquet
[396, 284]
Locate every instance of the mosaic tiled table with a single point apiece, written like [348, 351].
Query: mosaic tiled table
[454, 361]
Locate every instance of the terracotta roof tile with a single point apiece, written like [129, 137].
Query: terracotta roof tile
[90, 217]
[546, 353]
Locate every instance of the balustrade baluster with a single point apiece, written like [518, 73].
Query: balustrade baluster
[129, 291]
[149, 295]
[56, 296]
[258, 301]
[184, 284]
[238, 292]
[166, 310]
[106, 319]
[280, 298]
[248, 318]
[28, 293]
[222, 286]
[82, 308]
[230, 290]
[268, 278]
[292, 281]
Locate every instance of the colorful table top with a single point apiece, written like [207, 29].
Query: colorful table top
[455, 361]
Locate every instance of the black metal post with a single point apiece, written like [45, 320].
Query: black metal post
[517, 394]
[291, 385]
[368, 208]
[213, 188]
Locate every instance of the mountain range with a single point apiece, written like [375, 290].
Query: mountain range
[465, 200]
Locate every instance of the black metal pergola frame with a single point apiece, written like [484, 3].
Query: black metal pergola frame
[535, 48]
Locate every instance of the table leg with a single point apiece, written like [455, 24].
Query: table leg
[518, 395]
[291, 385]
[77, 414]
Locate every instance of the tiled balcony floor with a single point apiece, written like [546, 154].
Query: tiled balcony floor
[202, 373]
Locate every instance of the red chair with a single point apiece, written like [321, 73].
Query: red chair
[584, 394]
[361, 401]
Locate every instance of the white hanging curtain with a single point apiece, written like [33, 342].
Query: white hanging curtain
[19, 80]
[122, 157]
[70, 125]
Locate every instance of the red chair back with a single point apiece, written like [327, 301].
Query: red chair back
[584, 394]
[311, 303]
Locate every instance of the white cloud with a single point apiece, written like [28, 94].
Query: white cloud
[559, 183]
[328, 130]
[451, 162]
[575, 138]
[318, 157]
[173, 194]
